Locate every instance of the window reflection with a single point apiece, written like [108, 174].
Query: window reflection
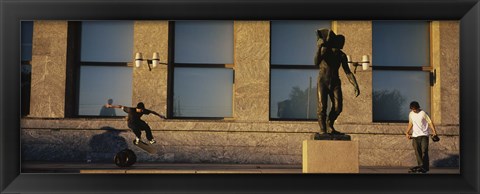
[401, 43]
[201, 92]
[99, 84]
[107, 41]
[394, 90]
[106, 47]
[207, 42]
[27, 36]
[206, 91]
[293, 94]
[26, 70]
[294, 42]
[293, 80]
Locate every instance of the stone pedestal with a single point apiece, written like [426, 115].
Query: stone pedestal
[327, 156]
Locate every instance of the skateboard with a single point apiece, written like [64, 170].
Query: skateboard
[416, 169]
[145, 147]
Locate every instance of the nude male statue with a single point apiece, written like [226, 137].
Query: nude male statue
[329, 57]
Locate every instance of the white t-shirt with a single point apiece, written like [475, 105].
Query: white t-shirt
[420, 122]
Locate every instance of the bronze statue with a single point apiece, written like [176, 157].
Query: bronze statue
[329, 57]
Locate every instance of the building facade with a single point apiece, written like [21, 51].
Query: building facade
[242, 118]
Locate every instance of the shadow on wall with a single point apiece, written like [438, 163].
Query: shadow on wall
[103, 147]
[387, 105]
[453, 160]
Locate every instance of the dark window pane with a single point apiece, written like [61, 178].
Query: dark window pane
[25, 88]
[394, 90]
[27, 36]
[294, 42]
[107, 41]
[293, 94]
[401, 43]
[202, 92]
[99, 84]
[207, 42]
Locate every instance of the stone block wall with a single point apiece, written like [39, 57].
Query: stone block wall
[220, 142]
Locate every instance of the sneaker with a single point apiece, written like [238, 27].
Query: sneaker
[136, 141]
[415, 168]
[153, 141]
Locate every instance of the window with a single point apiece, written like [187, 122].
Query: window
[26, 54]
[401, 68]
[293, 79]
[203, 70]
[104, 76]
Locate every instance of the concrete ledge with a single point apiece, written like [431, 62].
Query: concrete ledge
[326, 156]
[223, 126]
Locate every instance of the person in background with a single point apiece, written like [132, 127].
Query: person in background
[105, 111]
[418, 124]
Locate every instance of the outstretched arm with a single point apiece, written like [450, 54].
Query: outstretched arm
[124, 108]
[159, 115]
[350, 76]
[113, 106]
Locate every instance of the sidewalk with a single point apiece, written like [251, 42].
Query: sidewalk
[169, 168]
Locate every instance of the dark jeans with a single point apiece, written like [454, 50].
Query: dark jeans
[420, 145]
[137, 128]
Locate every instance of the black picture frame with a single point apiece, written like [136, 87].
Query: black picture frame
[12, 12]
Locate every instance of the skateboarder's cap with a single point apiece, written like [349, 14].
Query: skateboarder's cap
[140, 105]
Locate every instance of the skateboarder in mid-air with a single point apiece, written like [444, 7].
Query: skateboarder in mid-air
[137, 124]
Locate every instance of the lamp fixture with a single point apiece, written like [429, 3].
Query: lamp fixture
[152, 63]
[364, 63]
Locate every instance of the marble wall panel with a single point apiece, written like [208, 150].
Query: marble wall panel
[150, 87]
[450, 72]
[49, 56]
[252, 70]
[358, 42]
[435, 61]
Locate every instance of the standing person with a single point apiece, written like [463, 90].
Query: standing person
[137, 124]
[329, 57]
[419, 121]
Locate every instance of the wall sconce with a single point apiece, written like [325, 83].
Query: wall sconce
[154, 62]
[364, 63]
